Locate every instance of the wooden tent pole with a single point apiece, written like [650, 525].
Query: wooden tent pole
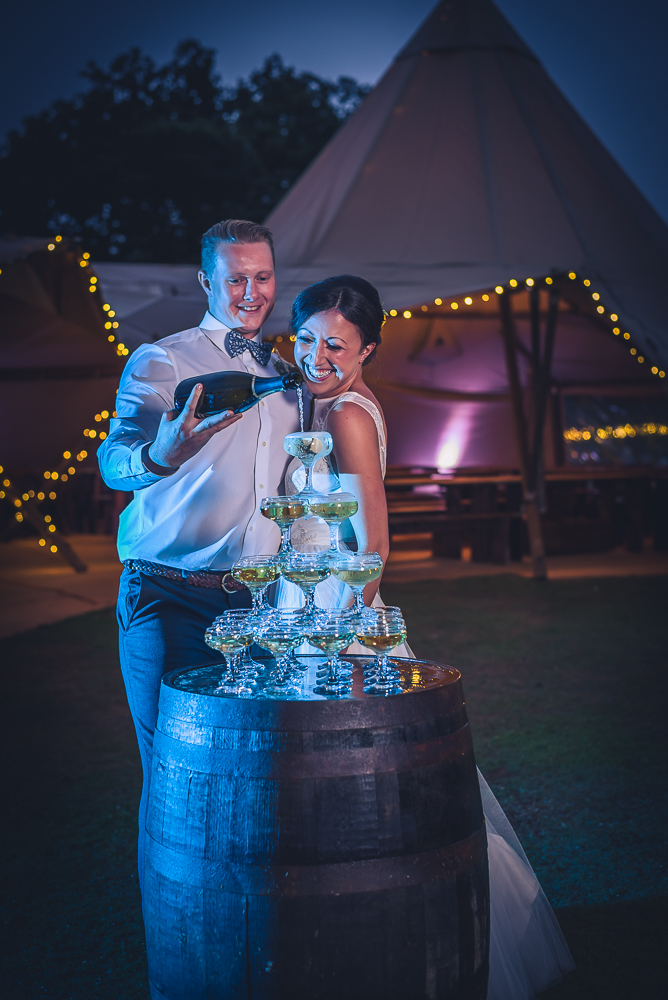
[532, 514]
[535, 469]
[541, 389]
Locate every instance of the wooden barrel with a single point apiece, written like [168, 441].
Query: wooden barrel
[316, 850]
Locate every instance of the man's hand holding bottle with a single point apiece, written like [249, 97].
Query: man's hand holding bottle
[182, 435]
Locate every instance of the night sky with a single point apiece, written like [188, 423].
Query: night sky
[607, 56]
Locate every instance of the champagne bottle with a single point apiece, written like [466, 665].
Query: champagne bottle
[236, 391]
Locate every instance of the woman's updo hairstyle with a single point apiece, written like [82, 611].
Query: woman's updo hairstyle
[355, 298]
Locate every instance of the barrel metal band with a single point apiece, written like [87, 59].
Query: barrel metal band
[321, 764]
[341, 878]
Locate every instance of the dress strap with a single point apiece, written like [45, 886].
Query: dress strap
[373, 411]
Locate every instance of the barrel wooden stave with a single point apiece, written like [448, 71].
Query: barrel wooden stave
[367, 880]
[311, 821]
[271, 948]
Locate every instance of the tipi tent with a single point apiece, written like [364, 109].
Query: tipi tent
[465, 168]
[470, 192]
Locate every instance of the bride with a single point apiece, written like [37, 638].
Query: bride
[337, 325]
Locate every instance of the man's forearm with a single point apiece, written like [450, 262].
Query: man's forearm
[122, 462]
[155, 467]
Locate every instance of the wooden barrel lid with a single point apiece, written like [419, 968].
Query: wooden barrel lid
[428, 689]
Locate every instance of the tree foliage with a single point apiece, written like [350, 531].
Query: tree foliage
[147, 157]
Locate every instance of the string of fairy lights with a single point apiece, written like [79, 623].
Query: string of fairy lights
[111, 324]
[592, 433]
[601, 310]
[71, 457]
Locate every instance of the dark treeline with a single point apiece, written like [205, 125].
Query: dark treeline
[147, 157]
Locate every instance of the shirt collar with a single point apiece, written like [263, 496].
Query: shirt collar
[217, 331]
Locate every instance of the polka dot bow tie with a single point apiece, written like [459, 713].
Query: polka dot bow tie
[236, 344]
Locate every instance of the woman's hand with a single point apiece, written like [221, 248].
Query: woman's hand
[182, 435]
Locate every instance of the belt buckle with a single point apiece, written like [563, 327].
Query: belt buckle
[229, 589]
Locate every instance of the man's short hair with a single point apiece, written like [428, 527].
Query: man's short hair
[233, 231]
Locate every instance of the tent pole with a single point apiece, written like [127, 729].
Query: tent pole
[532, 513]
[542, 370]
[534, 474]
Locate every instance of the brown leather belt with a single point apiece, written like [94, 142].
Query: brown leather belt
[214, 579]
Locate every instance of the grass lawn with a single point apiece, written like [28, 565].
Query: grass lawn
[566, 691]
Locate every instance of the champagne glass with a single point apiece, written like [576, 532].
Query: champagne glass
[231, 638]
[280, 639]
[307, 570]
[257, 572]
[331, 633]
[249, 667]
[357, 569]
[284, 511]
[308, 447]
[294, 617]
[335, 509]
[381, 630]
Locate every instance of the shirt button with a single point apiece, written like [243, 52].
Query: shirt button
[261, 486]
[250, 529]
[262, 403]
[264, 444]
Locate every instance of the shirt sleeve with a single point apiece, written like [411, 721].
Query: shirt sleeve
[146, 391]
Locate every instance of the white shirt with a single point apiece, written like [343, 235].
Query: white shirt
[207, 514]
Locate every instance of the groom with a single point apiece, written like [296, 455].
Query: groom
[197, 483]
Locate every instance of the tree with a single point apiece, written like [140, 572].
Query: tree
[139, 164]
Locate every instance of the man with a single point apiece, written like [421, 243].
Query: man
[197, 483]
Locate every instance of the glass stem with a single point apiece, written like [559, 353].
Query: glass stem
[360, 606]
[247, 658]
[257, 601]
[334, 537]
[309, 594]
[309, 488]
[282, 668]
[286, 544]
[233, 664]
[333, 665]
[382, 677]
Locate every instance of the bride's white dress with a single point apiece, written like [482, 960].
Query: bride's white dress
[528, 952]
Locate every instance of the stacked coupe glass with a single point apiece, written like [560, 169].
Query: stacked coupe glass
[282, 631]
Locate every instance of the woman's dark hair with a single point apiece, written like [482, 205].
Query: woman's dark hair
[355, 298]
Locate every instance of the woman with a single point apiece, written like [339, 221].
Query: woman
[337, 324]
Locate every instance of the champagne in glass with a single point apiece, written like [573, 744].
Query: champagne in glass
[382, 630]
[284, 511]
[383, 643]
[281, 639]
[308, 447]
[257, 572]
[231, 638]
[247, 617]
[334, 509]
[307, 570]
[357, 569]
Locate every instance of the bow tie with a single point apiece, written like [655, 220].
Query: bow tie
[236, 344]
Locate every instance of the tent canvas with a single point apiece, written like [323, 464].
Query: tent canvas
[464, 168]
